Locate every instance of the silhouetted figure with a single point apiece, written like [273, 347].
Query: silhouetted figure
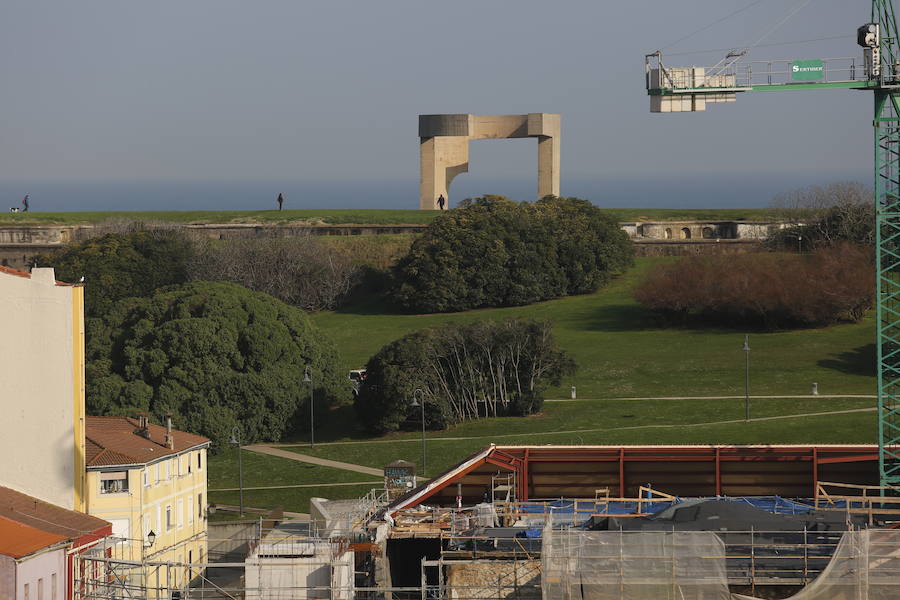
[25, 203]
[441, 201]
[280, 201]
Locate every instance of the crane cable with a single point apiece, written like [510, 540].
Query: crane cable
[778, 25]
[711, 50]
[705, 27]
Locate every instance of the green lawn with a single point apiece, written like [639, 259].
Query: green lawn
[355, 216]
[623, 422]
[263, 470]
[622, 351]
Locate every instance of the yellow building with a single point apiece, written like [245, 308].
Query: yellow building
[149, 481]
[42, 387]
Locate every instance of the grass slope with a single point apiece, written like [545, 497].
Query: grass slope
[623, 352]
[342, 216]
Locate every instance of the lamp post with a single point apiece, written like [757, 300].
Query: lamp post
[236, 440]
[746, 350]
[308, 379]
[421, 403]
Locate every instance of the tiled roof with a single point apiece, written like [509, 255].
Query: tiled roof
[47, 517]
[18, 540]
[114, 441]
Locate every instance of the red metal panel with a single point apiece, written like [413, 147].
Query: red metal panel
[718, 471]
[622, 473]
[523, 476]
[815, 473]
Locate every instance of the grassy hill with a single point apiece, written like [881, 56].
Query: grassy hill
[345, 216]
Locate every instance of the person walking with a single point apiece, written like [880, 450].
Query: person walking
[441, 201]
[25, 203]
[280, 201]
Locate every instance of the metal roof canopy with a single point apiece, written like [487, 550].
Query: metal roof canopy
[695, 470]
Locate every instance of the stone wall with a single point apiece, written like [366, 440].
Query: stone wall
[520, 579]
[694, 247]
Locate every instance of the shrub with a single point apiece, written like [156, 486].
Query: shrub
[215, 355]
[486, 368]
[495, 252]
[765, 290]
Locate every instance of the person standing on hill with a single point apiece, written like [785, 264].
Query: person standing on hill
[441, 201]
[25, 203]
[280, 201]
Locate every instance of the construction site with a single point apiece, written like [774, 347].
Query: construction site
[570, 522]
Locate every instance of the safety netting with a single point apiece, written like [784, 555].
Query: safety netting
[633, 565]
[865, 566]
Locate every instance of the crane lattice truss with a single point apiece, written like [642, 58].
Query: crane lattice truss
[691, 89]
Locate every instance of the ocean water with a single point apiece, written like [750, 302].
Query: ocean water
[738, 190]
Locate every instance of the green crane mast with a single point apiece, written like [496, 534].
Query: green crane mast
[674, 89]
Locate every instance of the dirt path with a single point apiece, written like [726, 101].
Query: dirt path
[298, 485]
[271, 450]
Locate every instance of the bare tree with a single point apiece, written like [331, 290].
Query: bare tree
[300, 270]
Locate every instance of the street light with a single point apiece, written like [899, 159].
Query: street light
[308, 379]
[746, 350]
[151, 539]
[236, 440]
[415, 403]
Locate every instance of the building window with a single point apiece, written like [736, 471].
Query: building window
[157, 472]
[169, 521]
[190, 511]
[190, 557]
[146, 477]
[189, 463]
[26, 590]
[200, 512]
[53, 587]
[115, 482]
[200, 461]
[180, 513]
[168, 470]
[40, 588]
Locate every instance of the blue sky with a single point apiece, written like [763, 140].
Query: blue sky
[110, 104]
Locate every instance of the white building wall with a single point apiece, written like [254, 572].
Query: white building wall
[38, 571]
[37, 358]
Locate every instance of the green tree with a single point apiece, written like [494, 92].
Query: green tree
[117, 265]
[214, 355]
[486, 368]
[495, 252]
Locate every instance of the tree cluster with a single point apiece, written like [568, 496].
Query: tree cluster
[486, 368]
[121, 265]
[215, 355]
[764, 290]
[823, 216]
[302, 271]
[495, 252]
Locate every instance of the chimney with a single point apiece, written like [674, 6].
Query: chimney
[170, 441]
[143, 430]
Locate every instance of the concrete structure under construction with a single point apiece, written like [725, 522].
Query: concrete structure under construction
[42, 391]
[444, 149]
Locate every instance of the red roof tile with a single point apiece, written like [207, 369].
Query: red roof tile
[47, 517]
[115, 441]
[18, 540]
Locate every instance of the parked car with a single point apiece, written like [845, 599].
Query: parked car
[356, 376]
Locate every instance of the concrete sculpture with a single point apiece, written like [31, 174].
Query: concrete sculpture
[444, 148]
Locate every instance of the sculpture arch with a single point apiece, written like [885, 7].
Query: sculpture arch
[444, 148]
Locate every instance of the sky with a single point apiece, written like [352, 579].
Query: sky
[223, 104]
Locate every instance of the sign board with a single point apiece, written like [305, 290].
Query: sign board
[808, 70]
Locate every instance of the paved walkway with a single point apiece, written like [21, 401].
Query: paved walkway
[809, 396]
[313, 460]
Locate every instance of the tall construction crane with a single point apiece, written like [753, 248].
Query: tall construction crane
[691, 89]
